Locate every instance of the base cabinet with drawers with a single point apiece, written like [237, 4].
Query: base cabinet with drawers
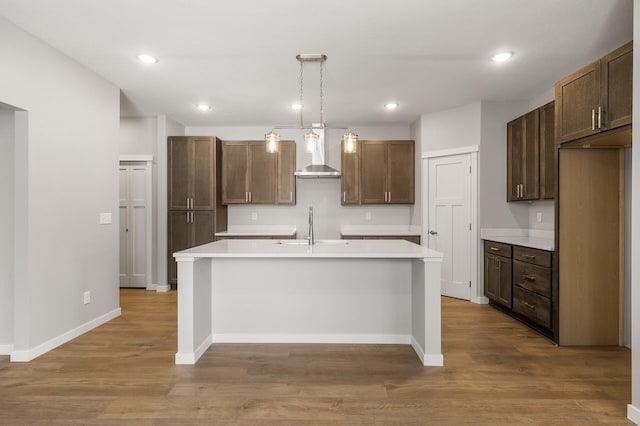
[518, 280]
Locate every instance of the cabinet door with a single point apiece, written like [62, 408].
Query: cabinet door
[616, 87]
[178, 172]
[235, 159]
[547, 151]
[577, 100]
[262, 174]
[350, 182]
[400, 172]
[202, 172]
[202, 227]
[491, 277]
[505, 281]
[374, 172]
[179, 238]
[285, 178]
[530, 161]
[515, 134]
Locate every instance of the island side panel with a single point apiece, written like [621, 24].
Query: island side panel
[194, 309]
[426, 311]
[306, 300]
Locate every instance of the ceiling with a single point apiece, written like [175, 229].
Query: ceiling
[239, 56]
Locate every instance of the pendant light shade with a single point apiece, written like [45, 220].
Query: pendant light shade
[272, 139]
[350, 142]
[311, 140]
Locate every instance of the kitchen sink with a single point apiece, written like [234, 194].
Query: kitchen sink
[318, 242]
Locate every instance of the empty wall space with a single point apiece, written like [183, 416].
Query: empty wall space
[6, 228]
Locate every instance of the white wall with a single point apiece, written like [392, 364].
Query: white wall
[322, 194]
[416, 209]
[452, 128]
[138, 136]
[67, 159]
[6, 228]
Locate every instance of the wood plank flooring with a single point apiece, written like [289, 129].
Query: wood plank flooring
[496, 371]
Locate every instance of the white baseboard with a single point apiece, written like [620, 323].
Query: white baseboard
[633, 414]
[162, 288]
[30, 354]
[481, 300]
[6, 349]
[191, 358]
[434, 360]
[387, 339]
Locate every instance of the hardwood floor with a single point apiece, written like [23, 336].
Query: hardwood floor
[496, 371]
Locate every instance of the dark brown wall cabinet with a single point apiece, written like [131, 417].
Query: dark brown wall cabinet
[251, 175]
[530, 155]
[596, 98]
[195, 211]
[379, 172]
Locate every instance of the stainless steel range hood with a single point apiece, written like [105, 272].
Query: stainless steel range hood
[318, 168]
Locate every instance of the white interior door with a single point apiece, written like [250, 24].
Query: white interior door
[449, 223]
[133, 225]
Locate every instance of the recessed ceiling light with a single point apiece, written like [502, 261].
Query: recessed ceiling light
[502, 56]
[391, 105]
[296, 106]
[203, 107]
[147, 59]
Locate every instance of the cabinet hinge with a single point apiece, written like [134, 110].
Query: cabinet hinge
[469, 283]
[469, 227]
[469, 169]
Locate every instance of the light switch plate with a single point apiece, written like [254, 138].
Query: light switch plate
[254, 216]
[539, 217]
[105, 218]
[367, 216]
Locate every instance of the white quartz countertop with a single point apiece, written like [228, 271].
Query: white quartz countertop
[525, 241]
[300, 248]
[257, 231]
[379, 230]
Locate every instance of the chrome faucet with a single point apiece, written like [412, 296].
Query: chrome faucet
[311, 238]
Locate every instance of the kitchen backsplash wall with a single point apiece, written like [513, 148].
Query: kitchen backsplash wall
[322, 194]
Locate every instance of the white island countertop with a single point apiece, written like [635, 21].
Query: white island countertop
[257, 231]
[380, 230]
[300, 248]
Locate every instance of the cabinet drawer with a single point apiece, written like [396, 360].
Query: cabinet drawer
[530, 255]
[533, 306]
[531, 277]
[500, 249]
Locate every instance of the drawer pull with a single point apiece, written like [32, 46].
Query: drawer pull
[529, 256]
[529, 305]
[528, 277]
[494, 248]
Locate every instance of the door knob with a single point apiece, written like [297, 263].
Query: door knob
[432, 232]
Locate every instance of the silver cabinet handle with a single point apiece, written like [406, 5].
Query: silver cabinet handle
[344, 197]
[191, 203]
[494, 248]
[389, 196]
[249, 196]
[593, 119]
[187, 203]
[291, 196]
[246, 197]
[529, 256]
[529, 305]
[432, 232]
[599, 117]
[188, 217]
[526, 276]
[191, 217]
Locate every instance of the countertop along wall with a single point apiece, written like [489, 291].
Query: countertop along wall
[322, 194]
[66, 172]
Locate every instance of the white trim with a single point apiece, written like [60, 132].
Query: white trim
[633, 414]
[6, 349]
[451, 151]
[162, 288]
[480, 300]
[434, 360]
[191, 358]
[145, 158]
[385, 339]
[30, 354]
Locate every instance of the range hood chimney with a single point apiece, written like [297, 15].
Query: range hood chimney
[318, 168]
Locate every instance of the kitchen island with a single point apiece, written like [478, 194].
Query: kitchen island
[286, 291]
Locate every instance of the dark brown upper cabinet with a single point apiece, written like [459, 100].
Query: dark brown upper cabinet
[530, 155]
[191, 171]
[597, 98]
[251, 175]
[387, 172]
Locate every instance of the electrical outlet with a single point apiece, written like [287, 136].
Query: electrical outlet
[87, 297]
[539, 217]
[254, 216]
[367, 216]
[105, 218]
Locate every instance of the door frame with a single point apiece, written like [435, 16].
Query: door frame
[148, 164]
[477, 293]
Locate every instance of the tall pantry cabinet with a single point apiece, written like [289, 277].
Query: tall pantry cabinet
[195, 209]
